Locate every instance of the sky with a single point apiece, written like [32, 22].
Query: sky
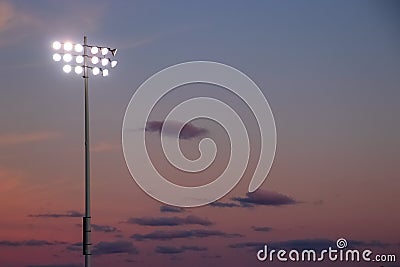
[330, 71]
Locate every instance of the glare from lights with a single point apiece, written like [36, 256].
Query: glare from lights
[67, 68]
[104, 61]
[94, 50]
[105, 72]
[79, 59]
[113, 63]
[95, 60]
[78, 48]
[78, 69]
[56, 45]
[56, 57]
[67, 57]
[104, 51]
[95, 71]
[68, 46]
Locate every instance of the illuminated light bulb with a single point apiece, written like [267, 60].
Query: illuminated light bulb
[104, 61]
[78, 48]
[104, 51]
[79, 59]
[67, 68]
[105, 72]
[114, 63]
[56, 45]
[95, 60]
[56, 57]
[68, 46]
[78, 69]
[94, 50]
[95, 71]
[67, 57]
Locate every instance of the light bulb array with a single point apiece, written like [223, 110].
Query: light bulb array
[96, 60]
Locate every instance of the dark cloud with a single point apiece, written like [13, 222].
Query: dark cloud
[211, 256]
[57, 265]
[102, 228]
[171, 209]
[167, 235]
[251, 245]
[177, 250]
[29, 243]
[302, 244]
[115, 247]
[71, 213]
[224, 205]
[265, 197]
[261, 229]
[189, 131]
[75, 246]
[170, 221]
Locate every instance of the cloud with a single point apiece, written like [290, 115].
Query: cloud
[23, 138]
[18, 23]
[170, 221]
[71, 213]
[103, 147]
[171, 209]
[177, 250]
[29, 243]
[115, 247]
[13, 22]
[7, 14]
[302, 244]
[75, 246]
[261, 229]
[102, 228]
[168, 235]
[251, 245]
[265, 197]
[188, 131]
[224, 205]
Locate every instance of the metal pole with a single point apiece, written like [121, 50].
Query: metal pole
[86, 219]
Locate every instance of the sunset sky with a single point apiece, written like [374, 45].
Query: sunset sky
[329, 69]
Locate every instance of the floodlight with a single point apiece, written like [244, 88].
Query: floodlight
[94, 50]
[67, 57]
[95, 71]
[78, 48]
[78, 69]
[104, 51]
[95, 60]
[68, 46]
[79, 59]
[56, 57]
[104, 61]
[56, 45]
[67, 68]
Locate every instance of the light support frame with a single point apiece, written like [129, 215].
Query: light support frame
[71, 49]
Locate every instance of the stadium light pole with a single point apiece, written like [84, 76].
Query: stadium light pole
[68, 52]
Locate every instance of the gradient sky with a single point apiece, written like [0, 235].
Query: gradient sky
[329, 69]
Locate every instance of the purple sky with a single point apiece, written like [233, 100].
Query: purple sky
[330, 71]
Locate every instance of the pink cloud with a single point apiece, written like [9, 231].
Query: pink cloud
[23, 138]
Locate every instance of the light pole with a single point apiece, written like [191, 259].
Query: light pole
[81, 59]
